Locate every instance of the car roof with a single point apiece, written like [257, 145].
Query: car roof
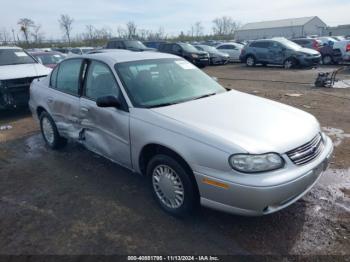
[44, 53]
[10, 47]
[120, 56]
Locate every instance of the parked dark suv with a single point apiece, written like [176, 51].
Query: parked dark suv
[133, 45]
[279, 51]
[187, 51]
[329, 54]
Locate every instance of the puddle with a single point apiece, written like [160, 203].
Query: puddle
[33, 146]
[342, 84]
[336, 134]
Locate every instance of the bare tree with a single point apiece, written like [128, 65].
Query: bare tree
[131, 29]
[224, 26]
[121, 32]
[4, 36]
[25, 25]
[66, 22]
[37, 34]
[198, 29]
[90, 34]
[159, 35]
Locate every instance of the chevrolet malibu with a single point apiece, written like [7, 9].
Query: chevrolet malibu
[159, 115]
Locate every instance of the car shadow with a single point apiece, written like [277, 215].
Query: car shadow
[78, 202]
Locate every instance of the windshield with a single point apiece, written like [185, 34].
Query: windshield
[162, 82]
[86, 50]
[189, 48]
[208, 48]
[290, 44]
[14, 57]
[135, 44]
[49, 59]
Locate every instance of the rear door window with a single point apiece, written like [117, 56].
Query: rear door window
[68, 77]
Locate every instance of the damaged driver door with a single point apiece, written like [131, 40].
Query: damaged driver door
[105, 130]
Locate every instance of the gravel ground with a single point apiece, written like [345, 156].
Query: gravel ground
[75, 202]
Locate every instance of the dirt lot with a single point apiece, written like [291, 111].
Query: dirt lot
[74, 202]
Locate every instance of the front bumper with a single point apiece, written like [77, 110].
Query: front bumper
[200, 61]
[310, 61]
[260, 200]
[14, 97]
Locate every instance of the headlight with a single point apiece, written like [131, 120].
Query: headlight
[194, 56]
[256, 163]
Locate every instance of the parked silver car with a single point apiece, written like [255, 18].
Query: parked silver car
[161, 116]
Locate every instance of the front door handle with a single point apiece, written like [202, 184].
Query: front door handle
[49, 100]
[85, 109]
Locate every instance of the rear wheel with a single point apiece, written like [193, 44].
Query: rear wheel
[327, 60]
[173, 186]
[50, 133]
[250, 61]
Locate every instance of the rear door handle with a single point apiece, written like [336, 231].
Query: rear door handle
[50, 100]
[85, 109]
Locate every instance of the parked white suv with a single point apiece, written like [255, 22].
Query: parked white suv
[17, 71]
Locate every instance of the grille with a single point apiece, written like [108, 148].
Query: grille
[307, 152]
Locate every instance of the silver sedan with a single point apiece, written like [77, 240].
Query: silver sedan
[160, 116]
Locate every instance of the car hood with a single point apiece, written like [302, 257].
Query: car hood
[23, 70]
[254, 124]
[308, 51]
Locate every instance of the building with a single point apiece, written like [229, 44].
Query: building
[289, 28]
[338, 30]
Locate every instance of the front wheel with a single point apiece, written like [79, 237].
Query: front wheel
[289, 63]
[172, 185]
[50, 133]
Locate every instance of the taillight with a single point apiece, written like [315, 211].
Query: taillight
[348, 47]
[316, 45]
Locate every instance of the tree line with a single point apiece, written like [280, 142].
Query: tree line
[32, 34]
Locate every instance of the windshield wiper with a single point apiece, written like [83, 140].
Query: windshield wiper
[181, 101]
[164, 104]
[203, 96]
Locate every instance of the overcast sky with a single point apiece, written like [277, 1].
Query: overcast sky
[174, 16]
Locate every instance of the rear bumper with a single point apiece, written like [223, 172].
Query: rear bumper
[254, 200]
[219, 60]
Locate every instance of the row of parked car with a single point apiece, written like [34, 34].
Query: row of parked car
[19, 67]
[280, 51]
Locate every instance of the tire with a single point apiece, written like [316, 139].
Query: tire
[327, 60]
[289, 63]
[163, 171]
[50, 133]
[250, 61]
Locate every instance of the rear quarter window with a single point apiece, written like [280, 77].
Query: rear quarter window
[53, 79]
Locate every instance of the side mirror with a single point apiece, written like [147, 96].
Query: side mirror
[108, 101]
